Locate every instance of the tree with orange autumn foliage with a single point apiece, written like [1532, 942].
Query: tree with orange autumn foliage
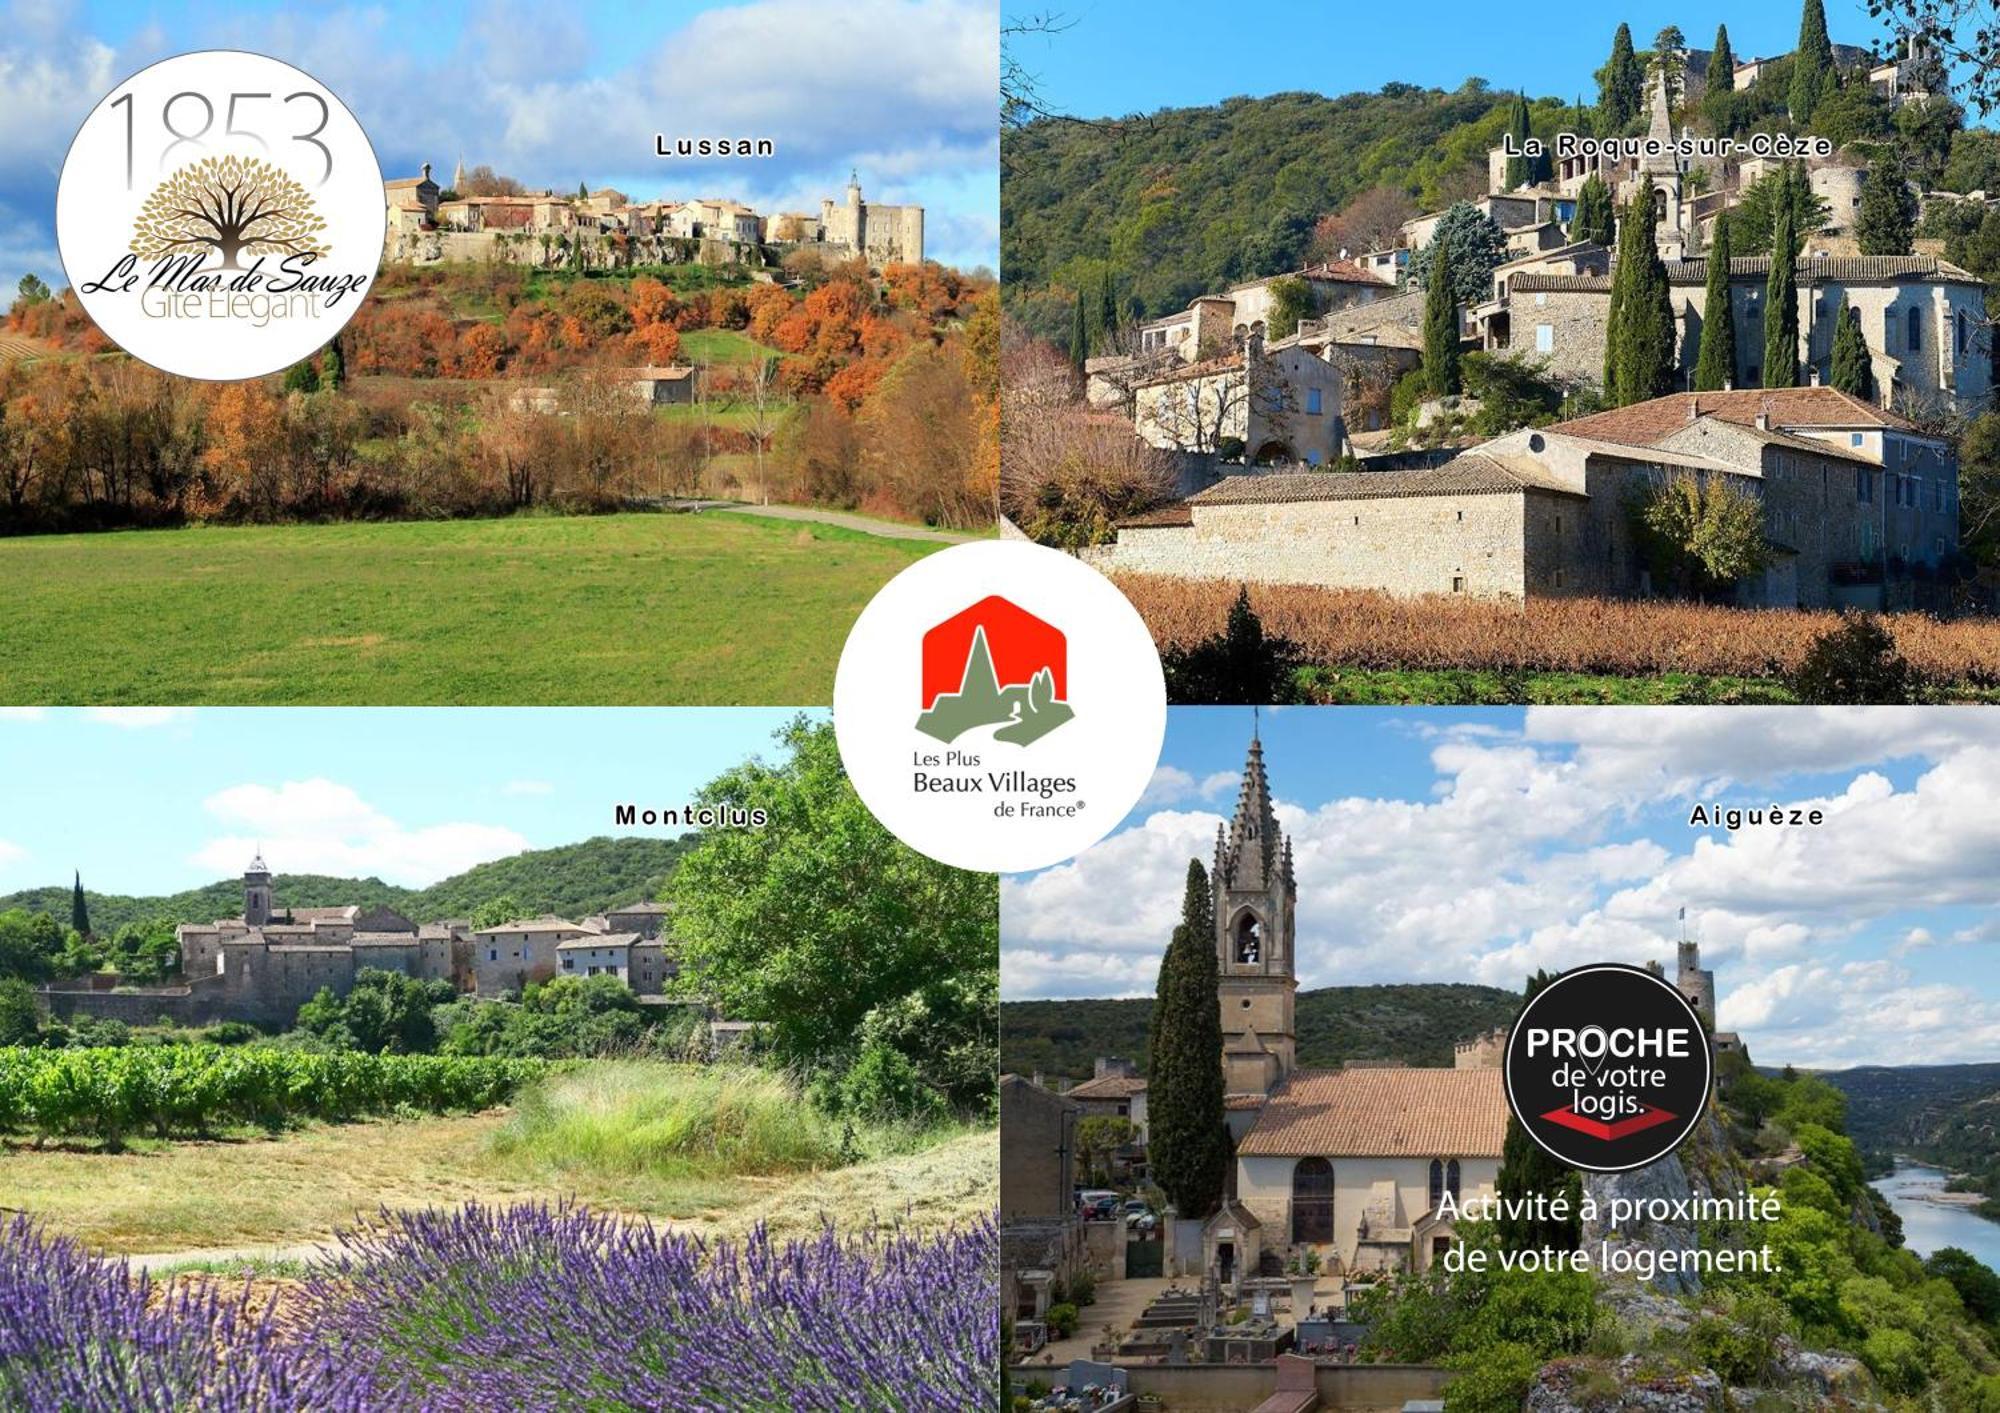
[239, 473]
[651, 302]
[655, 344]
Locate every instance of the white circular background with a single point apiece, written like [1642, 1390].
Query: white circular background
[1115, 687]
[95, 211]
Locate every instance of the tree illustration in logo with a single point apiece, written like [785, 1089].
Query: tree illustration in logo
[231, 205]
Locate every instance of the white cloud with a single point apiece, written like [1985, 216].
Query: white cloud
[1171, 785]
[1521, 855]
[139, 718]
[319, 826]
[528, 787]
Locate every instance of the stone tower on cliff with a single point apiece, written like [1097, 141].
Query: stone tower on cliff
[1256, 898]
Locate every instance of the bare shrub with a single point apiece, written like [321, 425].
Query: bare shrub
[1360, 629]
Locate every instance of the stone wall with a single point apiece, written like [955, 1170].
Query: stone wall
[1264, 1185]
[1222, 1388]
[1472, 544]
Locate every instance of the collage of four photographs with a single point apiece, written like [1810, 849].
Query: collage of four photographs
[500, 910]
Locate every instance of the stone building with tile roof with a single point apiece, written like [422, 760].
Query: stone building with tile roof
[1350, 1162]
[262, 966]
[1922, 317]
[1860, 508]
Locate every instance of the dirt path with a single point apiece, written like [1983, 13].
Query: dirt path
[231, 1255]
[867, 525]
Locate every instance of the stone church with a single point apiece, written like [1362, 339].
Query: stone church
[1351, 1163]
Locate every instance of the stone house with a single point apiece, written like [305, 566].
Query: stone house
[1115, 1091]
[1857, 503]
[883, 235]
[1922, 318]
[598, 954]
[664, 386]
[1215, 323]
[506, 958]
[1278, 404]
[1041, 1236]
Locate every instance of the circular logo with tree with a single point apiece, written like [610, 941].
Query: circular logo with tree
[220, 215]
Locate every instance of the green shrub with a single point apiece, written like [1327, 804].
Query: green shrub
[1492, 1380]
[1061, 1320]
[1896, 1358]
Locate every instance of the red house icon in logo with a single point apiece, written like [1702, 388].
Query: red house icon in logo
[995, 664]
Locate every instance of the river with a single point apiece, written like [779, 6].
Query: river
[1929, 1224]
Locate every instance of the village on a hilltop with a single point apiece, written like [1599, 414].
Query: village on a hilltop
[481, 217]
[1478, 407]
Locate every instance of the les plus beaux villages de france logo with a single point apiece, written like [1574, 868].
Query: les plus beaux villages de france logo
[220, 215]
[1016, 730]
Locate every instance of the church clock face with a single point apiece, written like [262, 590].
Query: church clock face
[1608, 1068]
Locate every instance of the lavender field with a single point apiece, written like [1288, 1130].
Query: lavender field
[523, 1307]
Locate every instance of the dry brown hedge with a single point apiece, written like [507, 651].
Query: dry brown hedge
[1357, 628]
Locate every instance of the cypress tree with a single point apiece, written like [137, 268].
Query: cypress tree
[1594, 217]
[1887, 223]
[1715, 368]
[1722, 64]
[332, 366]
[1527, 1171]
[1188, 1141]
[1520, 170]
[1621, 90]
[1851, 373]
[1079, 336]
[1781, 308]
[79, 914]
[1440, 327]
[1639, 332]
[1107, 309]
[1812, 65]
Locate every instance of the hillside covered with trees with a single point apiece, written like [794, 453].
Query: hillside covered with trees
[462, 390]
[572, 880]
[1417, 1024]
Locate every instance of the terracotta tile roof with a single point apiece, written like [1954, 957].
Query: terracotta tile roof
[384, 939]
[1242, 1101]
[632, 909]
[1345, 272]
[1110, 1086]
[1382, 1113]
[1644, 423]
[1473, 473]
[324, 914]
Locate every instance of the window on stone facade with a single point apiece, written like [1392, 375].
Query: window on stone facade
[1854, 439]
[1864, 487]
[1545, 338]
[1249, 939]
[1312, 402]
[1312, 1202]
[1958, 331]
[1458, 583]
[1916, 330]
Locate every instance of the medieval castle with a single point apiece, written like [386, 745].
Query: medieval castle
[262, 966]
[603, 228]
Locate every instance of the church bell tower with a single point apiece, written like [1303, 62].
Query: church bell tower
[257, 892]
[1256, 897]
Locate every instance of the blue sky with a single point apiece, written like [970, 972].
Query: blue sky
[148, 801]
[1477, 846]
[558, 93]
[1121, 56]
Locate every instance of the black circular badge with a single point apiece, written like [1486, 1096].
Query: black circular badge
[1608, 1067]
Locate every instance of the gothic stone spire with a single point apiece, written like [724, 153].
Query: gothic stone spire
[1255, 843]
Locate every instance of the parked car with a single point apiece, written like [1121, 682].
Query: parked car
[1097, 1204]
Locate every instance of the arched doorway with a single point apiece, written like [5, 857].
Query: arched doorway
[1270, 453]
[1312, 1202]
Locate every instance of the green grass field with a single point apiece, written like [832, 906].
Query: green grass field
[711, 609]
[721, 346]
